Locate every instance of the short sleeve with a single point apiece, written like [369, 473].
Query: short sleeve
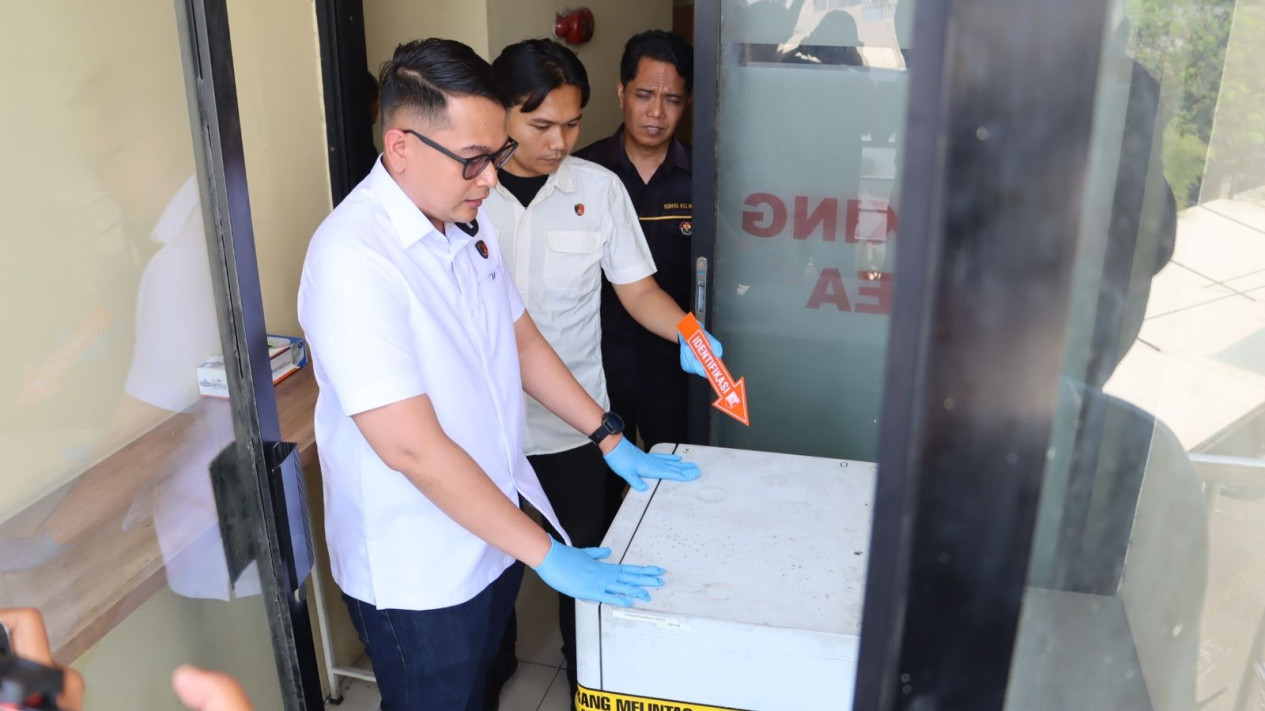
[626, 257]
[354, 309]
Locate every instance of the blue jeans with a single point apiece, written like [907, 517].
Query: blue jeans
[436, 659]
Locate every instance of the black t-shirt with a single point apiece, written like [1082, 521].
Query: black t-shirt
[524, 189]
[665, 208]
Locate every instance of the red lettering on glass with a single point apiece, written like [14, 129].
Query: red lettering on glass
[776, 218]
[825, 216]
[829, 290]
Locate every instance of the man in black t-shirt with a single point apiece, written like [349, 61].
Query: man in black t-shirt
[643, 373]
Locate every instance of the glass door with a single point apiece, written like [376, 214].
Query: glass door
[130, 513]
[1070, 490]
[809, 104]
[1147, 576]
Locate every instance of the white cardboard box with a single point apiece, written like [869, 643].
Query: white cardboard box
[766, 559]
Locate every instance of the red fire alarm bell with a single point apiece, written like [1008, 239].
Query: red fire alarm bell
[574, 26]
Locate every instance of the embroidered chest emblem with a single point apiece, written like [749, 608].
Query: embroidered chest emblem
[481, 248]
[687, 228]
[579, 209]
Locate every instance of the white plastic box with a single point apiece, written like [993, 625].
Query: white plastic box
[766, 559]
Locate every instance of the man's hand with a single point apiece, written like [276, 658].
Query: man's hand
[203, 690]
[689, 361]
[634, 465]
[578, 572]
[29, 638]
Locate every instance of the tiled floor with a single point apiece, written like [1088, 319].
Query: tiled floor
[540, 683]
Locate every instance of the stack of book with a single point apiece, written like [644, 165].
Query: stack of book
[286, 354]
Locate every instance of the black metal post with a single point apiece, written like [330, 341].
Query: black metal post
[344, 68]
[1002, 96]
[706, 75]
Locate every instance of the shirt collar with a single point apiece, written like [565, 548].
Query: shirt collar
[561, 179]
[177, 213]
[410, 224]
[678, 155]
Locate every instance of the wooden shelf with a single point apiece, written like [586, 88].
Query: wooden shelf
[296, 404]
[90, 558]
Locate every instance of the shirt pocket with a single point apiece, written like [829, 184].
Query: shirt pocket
[486, 271]
[573, 260]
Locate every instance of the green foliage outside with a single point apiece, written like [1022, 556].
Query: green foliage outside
[1236, 157]
[1183, 44]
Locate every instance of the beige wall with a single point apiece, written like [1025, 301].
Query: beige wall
[71, 193]
[489, 25]
[616, 20]
[276, 56]
[131, 666]
[391, 22]
[96, 150]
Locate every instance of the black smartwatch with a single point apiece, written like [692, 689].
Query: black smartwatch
[611, 424]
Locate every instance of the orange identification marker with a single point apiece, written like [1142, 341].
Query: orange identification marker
[732, 398]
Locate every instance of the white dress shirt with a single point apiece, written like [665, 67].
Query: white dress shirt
[579, 225]
[393, 309]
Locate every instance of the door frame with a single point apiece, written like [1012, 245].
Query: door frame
[700, 427]
[207, 54]
[341, 33]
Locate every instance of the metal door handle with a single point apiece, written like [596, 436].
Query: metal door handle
[700, 289]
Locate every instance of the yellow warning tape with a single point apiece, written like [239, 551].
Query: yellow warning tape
[593, 700]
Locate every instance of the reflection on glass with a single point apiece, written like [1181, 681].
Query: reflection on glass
[1147, 583]
[104, 440]
[811, 106]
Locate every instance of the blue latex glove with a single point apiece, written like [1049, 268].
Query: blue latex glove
[633, 465]
[578, 573]
[689, 362]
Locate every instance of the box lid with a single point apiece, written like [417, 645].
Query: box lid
[760, 538]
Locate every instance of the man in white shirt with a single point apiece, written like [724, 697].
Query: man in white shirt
[422, 351]
[564, 222]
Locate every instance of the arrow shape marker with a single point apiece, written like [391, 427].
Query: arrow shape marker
[731, 396]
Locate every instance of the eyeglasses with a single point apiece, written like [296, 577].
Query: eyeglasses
[471, 167]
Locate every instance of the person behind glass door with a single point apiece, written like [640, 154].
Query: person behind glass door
[422, 351]
[565, 222]
[834, 41]
[645, 383]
